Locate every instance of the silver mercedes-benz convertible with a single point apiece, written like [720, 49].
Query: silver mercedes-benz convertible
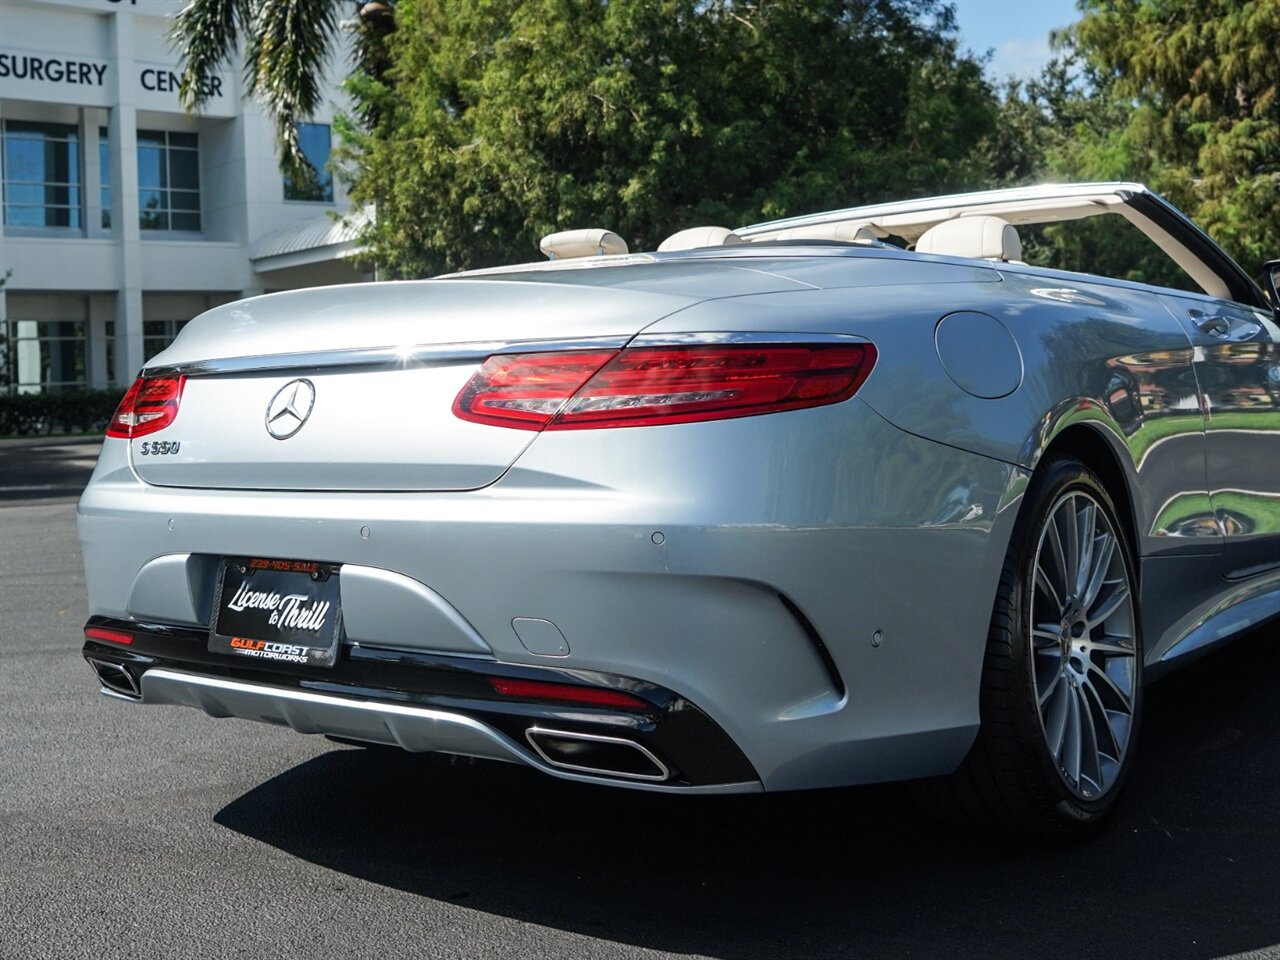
[846, 498]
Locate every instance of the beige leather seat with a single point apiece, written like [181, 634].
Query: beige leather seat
[593, 242]
[695, 237]
[983, 238]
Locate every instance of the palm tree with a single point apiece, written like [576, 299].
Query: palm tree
[286, 45]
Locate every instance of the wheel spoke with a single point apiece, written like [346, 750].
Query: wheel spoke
[1084, 544]
[1102, 721]
[1054, 682]
[1102, 682]
[1090, 762]
[1042, 581]
[1101, 562]
[1055, 721]
[1071, 571]
[1059, 558]
[1047, 634]
[1074, 736]
[1110, 649]
[1110, 605]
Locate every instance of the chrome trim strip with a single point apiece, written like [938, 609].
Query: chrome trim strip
[409, 727]
[762, 338]
[1257, 570]
[597, 738]
[379, 357]
[423, 354]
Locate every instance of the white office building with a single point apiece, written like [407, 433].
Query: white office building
[124, 217]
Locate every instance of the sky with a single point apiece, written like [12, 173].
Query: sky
[1016, 30]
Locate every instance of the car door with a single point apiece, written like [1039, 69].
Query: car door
[1237, 365]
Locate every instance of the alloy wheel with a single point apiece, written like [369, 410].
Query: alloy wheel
[1084, 652]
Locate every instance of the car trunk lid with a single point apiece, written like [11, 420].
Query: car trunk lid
[351, 388]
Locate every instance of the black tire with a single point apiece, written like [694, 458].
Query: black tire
[1012, 781]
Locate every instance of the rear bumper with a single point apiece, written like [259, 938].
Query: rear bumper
[819, 583]
[433, 704]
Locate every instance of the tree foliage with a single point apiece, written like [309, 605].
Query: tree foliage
[1067, 124]
[482, 124]
[1205, 76]
[501, 120]
[1179, 94]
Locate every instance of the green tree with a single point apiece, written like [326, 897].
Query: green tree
[1067, 124]
[1204, 75]
[501, 120]
[1179, 94]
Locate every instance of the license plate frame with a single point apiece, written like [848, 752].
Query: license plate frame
[277, 611]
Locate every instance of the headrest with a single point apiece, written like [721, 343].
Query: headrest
[696, 237]
[846, 232]
[594, 242]
[983, 238]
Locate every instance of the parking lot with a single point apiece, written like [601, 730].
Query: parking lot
[158, 832]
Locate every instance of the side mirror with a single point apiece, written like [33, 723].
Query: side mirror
[1271, 284]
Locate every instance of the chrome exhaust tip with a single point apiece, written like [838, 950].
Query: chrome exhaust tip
[116, 679]
[594, 753]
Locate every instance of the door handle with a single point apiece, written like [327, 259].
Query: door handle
[1234, 329]
[1214, 326]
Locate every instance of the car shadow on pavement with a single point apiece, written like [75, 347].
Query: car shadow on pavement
[1188, 868]
[47, 468]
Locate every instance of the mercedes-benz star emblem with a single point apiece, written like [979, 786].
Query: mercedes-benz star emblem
[289, 408]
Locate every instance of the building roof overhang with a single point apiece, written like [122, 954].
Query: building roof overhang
[318, 240]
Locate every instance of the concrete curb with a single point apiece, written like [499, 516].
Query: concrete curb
[51, 440]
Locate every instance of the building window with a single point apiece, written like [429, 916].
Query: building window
[109, 334]
[41, 164]
[104, 176]
[158, 334]
[314, 139]
[168, 180]
[43, 355]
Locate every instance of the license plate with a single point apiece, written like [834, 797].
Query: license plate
[277, 611]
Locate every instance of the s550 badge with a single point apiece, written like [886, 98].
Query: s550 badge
[159, 448]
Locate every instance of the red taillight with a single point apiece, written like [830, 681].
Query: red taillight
[526, 391]
[566, 693]
[646, 386]
[110, 636]
[150, 405]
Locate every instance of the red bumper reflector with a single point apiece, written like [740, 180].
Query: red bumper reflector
[110, 636]
[566, 692]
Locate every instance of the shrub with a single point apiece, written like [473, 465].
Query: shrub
[67, 411]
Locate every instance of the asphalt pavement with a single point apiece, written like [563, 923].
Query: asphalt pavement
[46, 468]
[140, 832]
